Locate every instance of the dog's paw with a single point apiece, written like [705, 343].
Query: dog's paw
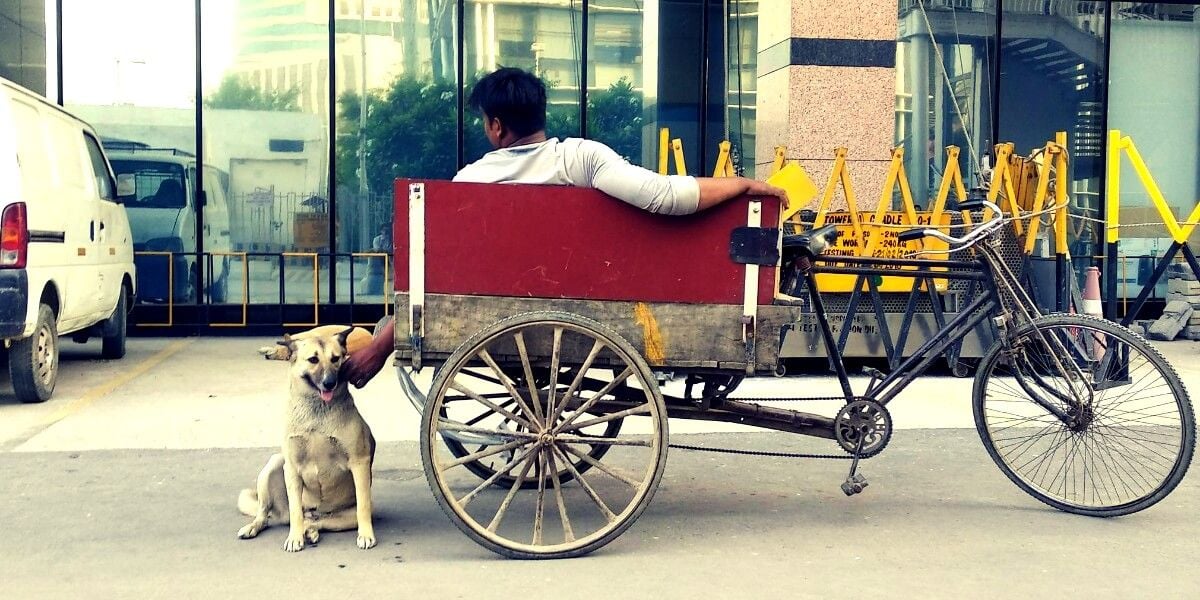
[366, 541]
[312, 534]
[250, 530]
[274, 352]
[294, 543]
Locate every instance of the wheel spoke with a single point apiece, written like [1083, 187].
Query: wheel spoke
[539, 511]
[601, 441]
[568, 532]
[574, 387]
[534, 398]
[462, 502]
[487, 358]
[631, 482]
[486, 452]
[444, 425]
[551, 390]
[508, 498]
[637, 410]
[454, 385]
[587, 487]
[596, 397]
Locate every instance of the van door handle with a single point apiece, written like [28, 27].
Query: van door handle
[92, 231]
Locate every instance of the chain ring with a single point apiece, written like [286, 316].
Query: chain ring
[867, 420]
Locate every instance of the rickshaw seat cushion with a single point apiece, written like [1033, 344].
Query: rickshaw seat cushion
[544, 241]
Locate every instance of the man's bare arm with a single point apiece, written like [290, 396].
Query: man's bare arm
[361, 366]
[715, 190]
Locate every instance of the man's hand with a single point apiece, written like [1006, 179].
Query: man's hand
[362, 365]
[759, 188]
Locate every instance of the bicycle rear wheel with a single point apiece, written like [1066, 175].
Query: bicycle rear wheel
[1125, 433]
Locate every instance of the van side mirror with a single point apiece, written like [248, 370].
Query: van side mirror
[126, 187]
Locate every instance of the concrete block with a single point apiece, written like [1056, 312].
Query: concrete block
[1174, 319]
[1180, 271]
[1190, 299]
[1183, 286]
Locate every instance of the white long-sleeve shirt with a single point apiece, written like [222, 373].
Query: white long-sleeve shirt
[586, 163]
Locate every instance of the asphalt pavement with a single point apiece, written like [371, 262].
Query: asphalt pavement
[123, 486]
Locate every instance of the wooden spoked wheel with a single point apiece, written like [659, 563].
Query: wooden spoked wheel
[545, 434]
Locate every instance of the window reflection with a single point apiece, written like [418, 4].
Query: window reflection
[943, 89]
[265, 78]
[1051, 79]
[544, 38]
[1153, 98]
[396, 117]
[141, 100]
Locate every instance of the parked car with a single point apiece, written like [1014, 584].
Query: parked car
[158, 188]
[66, 251]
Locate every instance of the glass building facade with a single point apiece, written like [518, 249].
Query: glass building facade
[274, 128]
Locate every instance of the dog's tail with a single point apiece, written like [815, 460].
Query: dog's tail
[248, 502]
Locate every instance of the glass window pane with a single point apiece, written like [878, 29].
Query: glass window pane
[404, 125]
[1154, 99]
[265, 85]
[544, 38]
[1051, 79]
[742, 68]
[23, 52]
[137, 86]
[944, 59]
[615, 76]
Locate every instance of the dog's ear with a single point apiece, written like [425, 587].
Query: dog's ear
[290, 344]
[343, 335]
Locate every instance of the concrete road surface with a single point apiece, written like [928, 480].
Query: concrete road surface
[123, 486]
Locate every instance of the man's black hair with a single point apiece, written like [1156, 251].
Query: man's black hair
[516, 97]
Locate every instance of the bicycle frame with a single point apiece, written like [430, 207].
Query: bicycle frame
[989, 269]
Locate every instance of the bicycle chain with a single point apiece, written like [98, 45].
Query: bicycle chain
[769, 453]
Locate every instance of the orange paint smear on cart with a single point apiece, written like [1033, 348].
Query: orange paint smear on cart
[655, 350]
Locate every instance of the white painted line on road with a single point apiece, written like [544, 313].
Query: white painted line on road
[100, 391]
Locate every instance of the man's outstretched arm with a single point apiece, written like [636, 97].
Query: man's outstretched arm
[361, 366]
[715, 190]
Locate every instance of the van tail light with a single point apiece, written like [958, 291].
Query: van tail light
[14, 237]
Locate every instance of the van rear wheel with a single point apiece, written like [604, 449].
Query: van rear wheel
[113, 346]
[33, 361]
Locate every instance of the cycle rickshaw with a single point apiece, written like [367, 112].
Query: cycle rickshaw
[551, 316]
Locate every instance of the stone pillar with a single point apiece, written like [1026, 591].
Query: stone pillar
[827, 78]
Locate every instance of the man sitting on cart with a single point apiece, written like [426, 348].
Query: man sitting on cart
[512, 103]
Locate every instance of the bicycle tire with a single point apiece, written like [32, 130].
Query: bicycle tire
[1116, 458]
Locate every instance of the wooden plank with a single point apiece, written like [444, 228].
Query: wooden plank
[548, 241]
[685, 335]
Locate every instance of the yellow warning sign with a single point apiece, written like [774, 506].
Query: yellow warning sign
[887, 246]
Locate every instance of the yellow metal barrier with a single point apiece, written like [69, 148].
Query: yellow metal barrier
[170, 287]
[387, 272]
[316, 287]
[245, 289]
[664, 141]
[724, 166]
[777, 164]
[677, 147]
[1116, 144]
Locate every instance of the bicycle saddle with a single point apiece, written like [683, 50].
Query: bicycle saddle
[812, 242]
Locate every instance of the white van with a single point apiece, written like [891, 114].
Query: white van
[158, 188]
[66, 252]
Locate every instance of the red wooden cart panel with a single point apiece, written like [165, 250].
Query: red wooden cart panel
[546, 241]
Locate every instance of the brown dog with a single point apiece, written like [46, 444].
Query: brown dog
[322, 478]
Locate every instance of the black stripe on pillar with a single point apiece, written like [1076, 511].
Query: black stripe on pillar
[820, 52]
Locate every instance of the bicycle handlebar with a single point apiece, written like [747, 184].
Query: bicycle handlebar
[970, 238]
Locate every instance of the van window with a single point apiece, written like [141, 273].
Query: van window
[105, 187]
[31, 149]
[158, 184]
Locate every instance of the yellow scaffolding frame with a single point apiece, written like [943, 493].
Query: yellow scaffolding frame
[245, 289]
[386, 279]
[1116, 144]
[316, 287]
[170, 287]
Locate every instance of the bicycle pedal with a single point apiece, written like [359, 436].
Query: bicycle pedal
[854, 484]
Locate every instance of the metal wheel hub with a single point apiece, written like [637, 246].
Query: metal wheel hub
[1081, 417]
[864, 422]
[44, 355]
